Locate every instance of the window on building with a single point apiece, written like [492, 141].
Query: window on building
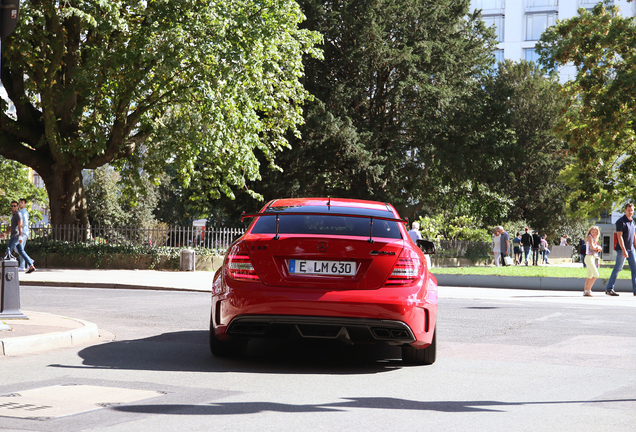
[498, 22]
[536, 24]
[606, 244]
[499, 55]
[37, 180]
[531, 55]
[542, 3]
[591, 3]
[488, 4]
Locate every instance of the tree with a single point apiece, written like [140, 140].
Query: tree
[139, 83]
[392, 69]
[15, 184]
[113, 202]
[103, 198]
[598, 122]
[507, 156]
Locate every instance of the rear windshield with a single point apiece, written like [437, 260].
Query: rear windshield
[326, 225]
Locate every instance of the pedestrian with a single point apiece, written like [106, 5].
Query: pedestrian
[564, 241]
[591, 254]
[414, 233]
[526, 241]
[582, 250]
[505, 245]
[544, 249]
[536, 243]
[624, 249]
[25, 230]
[16, 238]
[496, 247]
[516, 245]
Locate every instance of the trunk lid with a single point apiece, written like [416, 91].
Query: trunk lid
[327, 262]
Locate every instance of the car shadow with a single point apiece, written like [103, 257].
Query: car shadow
[189, 351]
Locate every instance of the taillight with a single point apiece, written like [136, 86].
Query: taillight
[407, 270]
[239, 266]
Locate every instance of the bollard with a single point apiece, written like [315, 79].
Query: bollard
[10, 291]
[186, 263]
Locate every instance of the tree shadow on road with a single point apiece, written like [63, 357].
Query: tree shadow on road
[387, 403]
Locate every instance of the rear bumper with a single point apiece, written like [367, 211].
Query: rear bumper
[348, 330]
[397, 315]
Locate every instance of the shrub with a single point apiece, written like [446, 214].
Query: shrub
[477, 251]
[101, 250]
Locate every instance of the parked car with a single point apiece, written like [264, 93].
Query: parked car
[325, 268]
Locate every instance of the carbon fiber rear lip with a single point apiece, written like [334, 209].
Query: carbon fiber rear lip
[316, 327]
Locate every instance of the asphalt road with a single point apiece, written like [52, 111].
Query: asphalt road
[546, 362]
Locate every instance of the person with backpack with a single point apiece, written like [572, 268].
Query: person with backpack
[516, 244]
[544, 249]
[526, 241]
[582, 251]
[536, 243]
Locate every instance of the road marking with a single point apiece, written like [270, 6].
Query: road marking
[63, 400]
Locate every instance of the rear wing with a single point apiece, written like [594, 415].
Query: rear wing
[279, 214]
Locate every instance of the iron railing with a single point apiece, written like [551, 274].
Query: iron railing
[175, 236]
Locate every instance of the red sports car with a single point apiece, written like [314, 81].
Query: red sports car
[326, 268]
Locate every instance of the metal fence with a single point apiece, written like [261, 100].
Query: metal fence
[208, 237]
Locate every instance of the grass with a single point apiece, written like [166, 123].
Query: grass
[530, 271]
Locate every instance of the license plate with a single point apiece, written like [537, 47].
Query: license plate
[338, 268]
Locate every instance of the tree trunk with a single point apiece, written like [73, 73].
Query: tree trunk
[65, 188]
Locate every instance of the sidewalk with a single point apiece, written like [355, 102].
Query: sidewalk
[42, 331]
[123, 279]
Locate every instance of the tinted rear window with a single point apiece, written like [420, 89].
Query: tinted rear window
[326, 225]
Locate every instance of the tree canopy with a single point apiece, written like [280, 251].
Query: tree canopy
[507, 156]
[14, 185]
[137, 84]
[392, 69]
[598, 121]
[419, 117]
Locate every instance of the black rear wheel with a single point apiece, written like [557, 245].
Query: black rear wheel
[424, 356]
[230, 348]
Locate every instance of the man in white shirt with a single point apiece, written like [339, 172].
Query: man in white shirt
[414, 233]
[25, 230]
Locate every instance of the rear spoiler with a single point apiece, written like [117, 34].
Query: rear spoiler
[278, 214]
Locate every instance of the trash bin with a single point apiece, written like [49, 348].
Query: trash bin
[10, 291]
[186, 263]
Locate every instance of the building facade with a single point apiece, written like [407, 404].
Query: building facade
[520, 23]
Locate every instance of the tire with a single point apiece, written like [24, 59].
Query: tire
[230, 348]
[424, 356]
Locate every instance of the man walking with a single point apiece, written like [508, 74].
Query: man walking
[624, 249]
[16, 237]
[526, 241]
[24, 213]
[505, 244]
[536, 244]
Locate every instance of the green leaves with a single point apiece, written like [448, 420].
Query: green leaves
[391, 71]
[598, 121]
[199, 83]
[15, 184]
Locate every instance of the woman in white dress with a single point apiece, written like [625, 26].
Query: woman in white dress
[592, 249]
[496, 246]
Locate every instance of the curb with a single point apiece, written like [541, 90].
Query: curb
[108, 285]
[36, 343]
[528, 283]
